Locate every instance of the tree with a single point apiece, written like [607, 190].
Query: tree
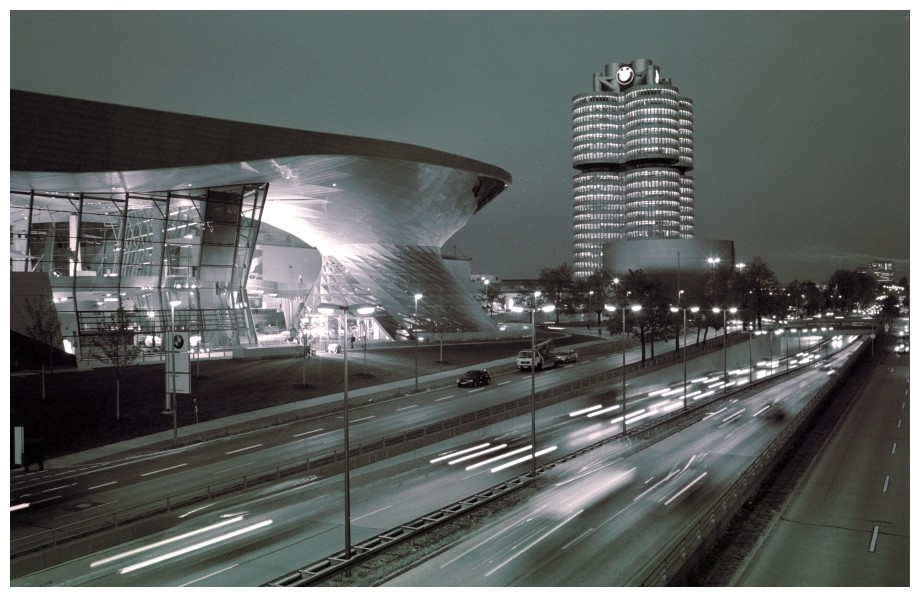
[760, 289]
[441, 323]
[847, 290]
[115, 346]
[597, 286]
[488, 294]
[43, 324]
[647, 292]
[558, 284]
[304, 344]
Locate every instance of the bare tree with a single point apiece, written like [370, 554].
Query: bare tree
[115, 346]
[43, 324]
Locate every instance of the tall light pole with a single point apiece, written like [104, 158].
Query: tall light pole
[485, 282]
[172, 356]
[415, 335]
[724, 338]
[329, 309]
[533, 383]
[694, 310]
[635, 309]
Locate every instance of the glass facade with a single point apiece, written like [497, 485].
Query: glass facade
[141, 251]
[633, 146]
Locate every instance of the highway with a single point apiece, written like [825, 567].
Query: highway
[605, 519]
[253, 537]
[848, 524]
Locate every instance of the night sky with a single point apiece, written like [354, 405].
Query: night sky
[802, 138]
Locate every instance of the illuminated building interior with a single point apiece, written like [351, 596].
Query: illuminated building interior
[116, 206]
[632, 144]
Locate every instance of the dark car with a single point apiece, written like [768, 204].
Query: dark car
[566, 356]
[474, 378]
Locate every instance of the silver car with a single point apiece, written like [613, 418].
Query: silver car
[566, 356]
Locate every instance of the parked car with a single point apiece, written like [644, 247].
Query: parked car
[566, 356]
[474, 378]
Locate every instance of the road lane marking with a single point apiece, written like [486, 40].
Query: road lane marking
[243, 449]
[103, 485]
[894, 447]
[406, 407]
[578, 538]
[191, 582]
[444, 398]
[899, 423]
[363, 419]
[164, 469]
[374, 512]
[56, 488]
[885, 488]
[307, 433]
[504, 382]
[874, 538]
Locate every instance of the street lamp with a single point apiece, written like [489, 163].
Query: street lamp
[693, 310]
[415, 335]
[533, 383]
[635, 309]
[724, 338]
[172, 357]
[329, 309]
[488, 300]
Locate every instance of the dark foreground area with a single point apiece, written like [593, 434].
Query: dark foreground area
[78, 411]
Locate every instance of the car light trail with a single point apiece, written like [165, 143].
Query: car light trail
[686, 487]
[641, 416]
[733, 416]
[477, 454]
[103, 485]
[499, 457]
[656, 392]
[605, 410]
[19, 507]
[715, 413]
[164, 542]
[452, 454]
[195, 547]
[520, 460]
[585, 410]
[534, 542]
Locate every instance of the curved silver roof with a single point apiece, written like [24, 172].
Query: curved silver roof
[361, 202]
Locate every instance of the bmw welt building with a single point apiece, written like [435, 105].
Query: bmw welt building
[156, 215]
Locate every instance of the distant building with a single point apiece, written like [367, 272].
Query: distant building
[883, 271]
[632, 144]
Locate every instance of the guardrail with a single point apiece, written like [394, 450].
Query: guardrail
[703, 531]
[332, 463]
[333, 564]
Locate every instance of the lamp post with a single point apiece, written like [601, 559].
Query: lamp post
[172, 357]
[694, 310]
[724, 338]
[415, 335]
[533, 383]
[488, 299]
[329, 309]
[635, 309]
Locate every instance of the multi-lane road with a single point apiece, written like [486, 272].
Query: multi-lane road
[254, 537]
